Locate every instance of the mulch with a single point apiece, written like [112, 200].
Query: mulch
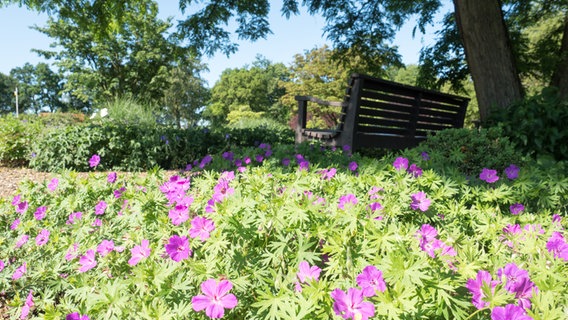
[11, 177]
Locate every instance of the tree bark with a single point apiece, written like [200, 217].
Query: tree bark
[489, 54]
[560, 76]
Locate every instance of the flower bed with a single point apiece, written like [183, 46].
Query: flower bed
[280, 233]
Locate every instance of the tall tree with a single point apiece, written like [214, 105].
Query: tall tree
[7, 88]
[131, 57]
[39, 88]
[249, 92]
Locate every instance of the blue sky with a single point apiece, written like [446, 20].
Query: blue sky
[290, 36]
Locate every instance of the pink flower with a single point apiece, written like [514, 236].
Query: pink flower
[139, 252]
[53, 184]
[179, 214]
[488, 175]
[215, 298]
[400, 163]
[40, 212]
[15, 224]
[23, 240]
[19, 272]
[87, 261]
[73, 217]
[27, 306]
[371, 281]
[414, 170]
[516, 208]
[100, 208]
[513, 276]
[178, 248]
[475, 286]
[76, 316]
[353, 166]
[327, 174]
[94, 161]
[105, 247]
[2, 265]
[72, 252]
[22, 207]
[111, 177]
[307, 273]
[347, 199]
[42, 238]
[201, 227]
[509, 312]
[557, 246]
[351, 305]
[420, 202]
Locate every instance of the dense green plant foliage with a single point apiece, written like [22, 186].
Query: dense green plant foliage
[470, 150]
[135, 146]
[267, 218]
[537, 125]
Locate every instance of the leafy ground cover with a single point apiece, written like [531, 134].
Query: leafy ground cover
[289, 233]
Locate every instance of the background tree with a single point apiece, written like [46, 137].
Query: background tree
[186, 94]
[249, 92]
[7, 101]
[39, 88]
[317, 73]
[131, 58]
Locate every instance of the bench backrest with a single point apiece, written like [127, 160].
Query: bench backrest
[386, 114]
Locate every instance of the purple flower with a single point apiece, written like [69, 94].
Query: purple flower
[178, 248]
[22, 207]
[425, 156]
[94, 161]
[20, 271]
[139, 252]
[509, 312]
[72, 252]
[512, 172]
[16, 199]
[556, 218]
[105, 247]
[2, 265]
[400, 163]
[327, 174]
[353, 166]
[420, 202]
[201, 227]
[40, 212]
[513, 276]
[516, 208]
[179, 214]
[347, 199]
[76, 316]
[375, 206]
[414, 170]
[42, 238]
[87, 261]
[475, 286]
[53, 184]
[27, 305]
[350, 305]
[488, 175]
[215, 299]
[259, 158]
[100, 208]
[307, 273]
[371, 280]
[285, 162]
[111, 177]
[304, 165]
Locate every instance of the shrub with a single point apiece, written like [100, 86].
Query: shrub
[537, 125]
[471, 150]
[16, 136]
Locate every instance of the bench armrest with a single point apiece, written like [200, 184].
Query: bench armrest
[303, 108]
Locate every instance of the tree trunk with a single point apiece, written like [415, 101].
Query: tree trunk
[489, 55]
[560, 76]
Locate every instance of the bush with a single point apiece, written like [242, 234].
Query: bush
[471, 150]
[16, 136]
[537, 125]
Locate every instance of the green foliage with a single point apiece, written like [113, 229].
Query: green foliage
[537, 125]
[273, 218]
[128, 111]
[16, 137]
[248, 92]
[471, 150]
[39, 88]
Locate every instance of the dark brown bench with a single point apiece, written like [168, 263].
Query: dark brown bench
[384, 114]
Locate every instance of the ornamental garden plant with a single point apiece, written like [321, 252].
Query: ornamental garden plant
[285, 232]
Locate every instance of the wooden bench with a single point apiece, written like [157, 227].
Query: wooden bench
[384, 114]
